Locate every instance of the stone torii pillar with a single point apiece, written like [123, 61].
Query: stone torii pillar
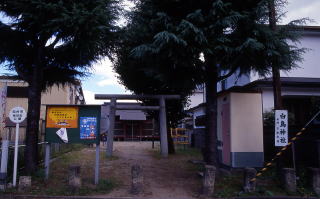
[162, 115]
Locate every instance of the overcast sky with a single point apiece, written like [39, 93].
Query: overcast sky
[104, 80]
[303, 8]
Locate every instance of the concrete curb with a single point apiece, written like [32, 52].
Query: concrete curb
[275, 197]
[7, 196]
[59, 197]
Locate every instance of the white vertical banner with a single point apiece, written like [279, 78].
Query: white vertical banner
[3, 102]
[281, 127]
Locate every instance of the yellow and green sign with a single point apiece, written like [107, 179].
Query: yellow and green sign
[73, 124]
[62, 117]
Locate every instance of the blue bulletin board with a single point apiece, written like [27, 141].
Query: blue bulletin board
[88, 128]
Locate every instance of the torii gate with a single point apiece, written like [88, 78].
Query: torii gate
[162, 115]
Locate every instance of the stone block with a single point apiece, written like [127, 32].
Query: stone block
[208, 180]
[137, 179]
[74, 177]
[289, 179]
[314, 179]
[248, 185]
[24, 183]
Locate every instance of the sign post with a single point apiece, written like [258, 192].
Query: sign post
[73, 124]
[16, 115]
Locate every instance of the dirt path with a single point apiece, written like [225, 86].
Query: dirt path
[171, 177]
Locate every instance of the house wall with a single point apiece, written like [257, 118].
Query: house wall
[246, 129]
[198, 112]
[233, 80]
[309, 67]
[54, 95]
[267, 95]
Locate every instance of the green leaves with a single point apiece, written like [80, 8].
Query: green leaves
[68, 34]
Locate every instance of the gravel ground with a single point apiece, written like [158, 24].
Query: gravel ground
[172, 177]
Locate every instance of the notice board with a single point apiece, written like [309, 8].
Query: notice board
[73, 124]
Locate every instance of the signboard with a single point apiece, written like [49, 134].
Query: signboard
[281, 127]
[62, 117]
[88, 128]
[17, 115]
[73, 124]
[180, 136]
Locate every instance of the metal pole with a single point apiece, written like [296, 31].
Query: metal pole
[4, 156]
[318, 150]
[15, 163]
[294, 156]
[4, 163]
[112, 114]
[96, 172]
[154, 126]
[131, 130]
[47, 160]
[163, 128]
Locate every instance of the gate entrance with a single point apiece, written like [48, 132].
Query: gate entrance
[132, 131]
[162, 116]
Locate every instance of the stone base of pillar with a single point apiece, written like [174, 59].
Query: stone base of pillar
[289, 179]
[209, 180]
[74, 177]
[24, 183]
[248, 186]
[314, 179]
[137, 179]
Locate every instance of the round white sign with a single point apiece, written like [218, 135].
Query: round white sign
[17, 114]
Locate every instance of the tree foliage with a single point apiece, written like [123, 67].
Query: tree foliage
[70, 35]
[166, 39]
[49, 42]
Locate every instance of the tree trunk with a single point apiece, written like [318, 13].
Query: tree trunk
[171, 149]
[277, 99]
[275, 71]
[211, 139]
[33, 117]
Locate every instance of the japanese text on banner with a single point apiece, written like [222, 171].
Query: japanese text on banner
[281, 127]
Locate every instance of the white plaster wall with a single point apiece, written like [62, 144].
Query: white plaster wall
[234, 80]
[246, 122]
[267, 100]
[310, 66]
[267, 95]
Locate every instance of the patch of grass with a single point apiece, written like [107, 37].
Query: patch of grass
[188, 151]
[180, 151]
[303, 186]
[267, 185]
[39, 175]
[104, 157]
[104, 186]
[58, 180]
[227, 186]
